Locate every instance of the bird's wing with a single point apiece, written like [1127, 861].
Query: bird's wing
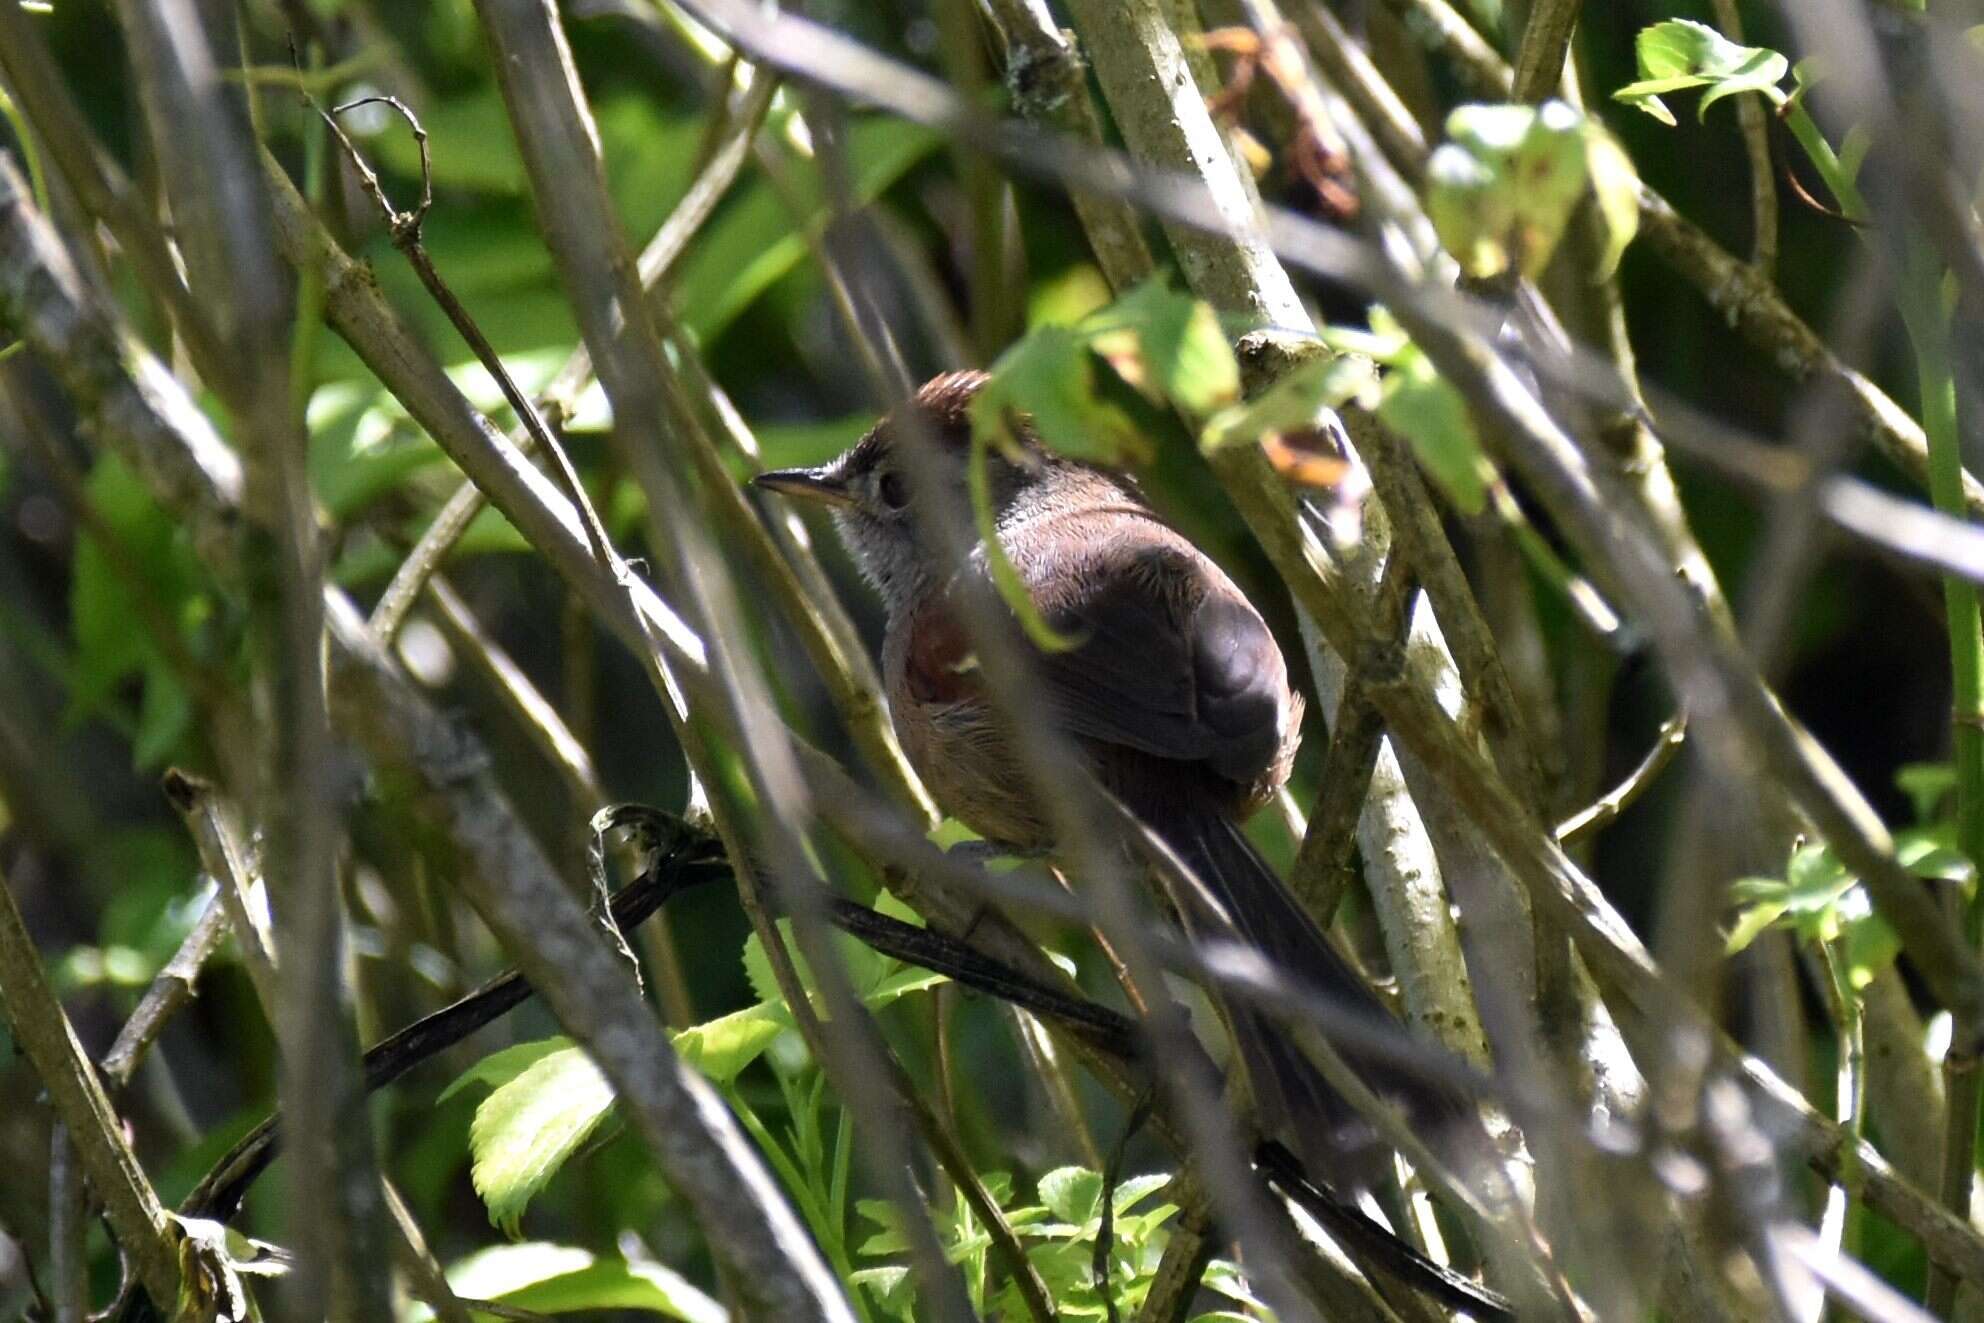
[1169, 659]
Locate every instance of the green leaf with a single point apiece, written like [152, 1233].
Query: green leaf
[504, 1065]
[1183, 350]
[1815, 879]
[1295, 401]
[1681, 54]
[1750, 923]
[1931, 853]
[1927, 785]
[892, 1238]
[154, 559]
[1047, 379]
[614, 1283]
[1420, 406]
[165, 715]
[1136, 1189]
[891, 1288]
[1615, 191]
[530, 1125]
[1226, 1278]
[1502, 188]
[1073, 1194]
[722, 1047]
[866, 968]
[561, 1279]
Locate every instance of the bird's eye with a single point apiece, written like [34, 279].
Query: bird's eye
[894, 493]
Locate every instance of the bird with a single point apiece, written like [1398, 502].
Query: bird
[1172, 688]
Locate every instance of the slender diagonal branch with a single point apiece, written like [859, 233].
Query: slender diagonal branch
[49, 1040]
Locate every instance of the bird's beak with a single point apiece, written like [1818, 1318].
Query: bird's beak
[823, 484]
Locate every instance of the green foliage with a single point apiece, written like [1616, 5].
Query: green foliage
[531, 1123]
[560, 1279]
[755, 239]
[1820, 901]
[547, 1099]
[1295, 400]
[1048, 380]
[1503, 187]
[1415, 401]
[144, 569]
[1059, 1235]
[1681, 55]
[1422, 407]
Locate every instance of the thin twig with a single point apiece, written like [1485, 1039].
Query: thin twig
[224, 854]
[1754, 120]
[45, 1034]
[1321, 872]
[68, 1213]
[532, 712]
[1608, 806]
[404, 227]
[170, 990]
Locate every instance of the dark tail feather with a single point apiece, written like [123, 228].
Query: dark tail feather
[1293, 1099]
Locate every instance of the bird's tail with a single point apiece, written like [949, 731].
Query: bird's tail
[1293, 1101]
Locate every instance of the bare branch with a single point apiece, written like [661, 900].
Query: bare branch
[1754, 120]
[49, 1040]
[171, 990]
[1546, 40]
[1607, 807]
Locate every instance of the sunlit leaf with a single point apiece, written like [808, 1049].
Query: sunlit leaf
[1135, 1189]
[562, 1279]
[504, 1065]
[1750, 924]
[1502, 188]
[1871, 946]
[722, 1047]
[1430, 414]
[1225, 1277]
[1048, 380]
[1927, 785]
[1615, 191]
[1073, 1194]
[752, 240]
[1181, 346]
[1295, 401]
[1680, 55]
[529, 1126]
[614, 1283]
